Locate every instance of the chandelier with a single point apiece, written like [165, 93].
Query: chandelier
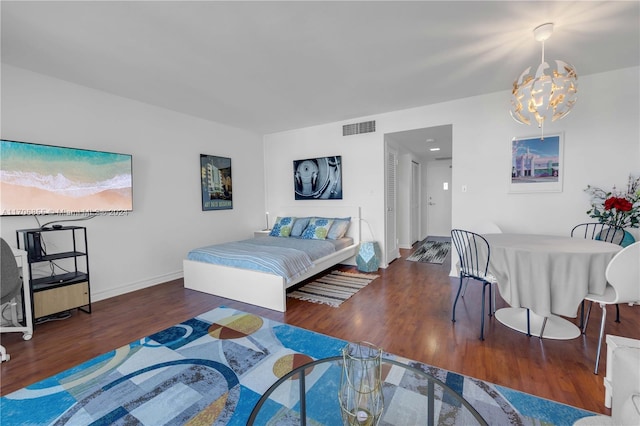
[550, 93]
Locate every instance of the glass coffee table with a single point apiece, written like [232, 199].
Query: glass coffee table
[309, 395]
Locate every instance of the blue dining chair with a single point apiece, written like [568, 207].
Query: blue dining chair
[474, 254]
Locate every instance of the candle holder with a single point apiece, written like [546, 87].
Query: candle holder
[360, 394]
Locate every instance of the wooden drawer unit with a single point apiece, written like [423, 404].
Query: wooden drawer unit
[51, 301]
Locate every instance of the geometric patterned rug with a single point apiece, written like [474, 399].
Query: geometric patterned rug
[212, 369]
[431, 252]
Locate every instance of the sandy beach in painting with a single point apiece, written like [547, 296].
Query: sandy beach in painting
[21, 200]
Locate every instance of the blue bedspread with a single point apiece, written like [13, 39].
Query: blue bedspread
[287, 257]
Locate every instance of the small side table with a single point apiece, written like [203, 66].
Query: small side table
[368, 258]
[261, 233]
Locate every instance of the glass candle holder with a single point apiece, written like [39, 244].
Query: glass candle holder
[360, 394]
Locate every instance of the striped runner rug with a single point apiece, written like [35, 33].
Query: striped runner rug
[333, 288]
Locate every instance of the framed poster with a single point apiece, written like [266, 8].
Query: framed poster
[536, 164]
[215, 182]
[318, 178]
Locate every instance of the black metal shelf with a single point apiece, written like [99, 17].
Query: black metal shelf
[76, 251]
[57, 256]
[59, 280]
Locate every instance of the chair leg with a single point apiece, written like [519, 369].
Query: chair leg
[492, 302]
[586, 320]
[528, 324]
[484, 287]
[617, 313]
[455, 302]
[493, 285]
[464, 289]
[604, 317]
[581, 315]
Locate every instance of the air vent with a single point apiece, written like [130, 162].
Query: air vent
[357, 128]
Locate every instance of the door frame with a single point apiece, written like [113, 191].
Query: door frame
[391, 229]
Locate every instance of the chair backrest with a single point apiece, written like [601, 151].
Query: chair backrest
[599, 231]
[623, 274]
[474, 252]
[10, 280]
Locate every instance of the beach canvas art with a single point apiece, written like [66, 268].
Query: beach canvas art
[44, 179]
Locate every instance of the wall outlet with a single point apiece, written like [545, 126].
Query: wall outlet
[464, 188]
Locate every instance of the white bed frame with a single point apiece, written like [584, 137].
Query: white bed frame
[262, 288]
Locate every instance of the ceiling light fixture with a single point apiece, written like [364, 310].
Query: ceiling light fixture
[550, 93]
[434, 149]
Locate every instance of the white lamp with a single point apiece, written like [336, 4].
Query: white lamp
[549, 94]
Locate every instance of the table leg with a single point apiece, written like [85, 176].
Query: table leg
[553, 327]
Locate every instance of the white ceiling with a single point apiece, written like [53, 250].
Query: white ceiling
[273, 66]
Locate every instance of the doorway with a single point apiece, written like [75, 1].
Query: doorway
[414, 202]
[439, 198]
[430, 151]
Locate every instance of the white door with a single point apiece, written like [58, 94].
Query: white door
[414, 203]
[391, 250]
[438, 200]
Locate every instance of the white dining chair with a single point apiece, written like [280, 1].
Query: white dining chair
[623, 286]
[603, 232]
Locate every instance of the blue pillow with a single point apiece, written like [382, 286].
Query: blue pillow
[317, 229]
[339, 228]
[282, 227]
[299, 226]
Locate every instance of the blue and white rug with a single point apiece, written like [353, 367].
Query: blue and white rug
[212, 369]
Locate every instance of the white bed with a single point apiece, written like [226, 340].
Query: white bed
[265, 289]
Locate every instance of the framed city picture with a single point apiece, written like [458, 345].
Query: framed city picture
[536, 164]
[318, 178]
[215, 180]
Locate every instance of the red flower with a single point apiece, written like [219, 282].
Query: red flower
[618, 203]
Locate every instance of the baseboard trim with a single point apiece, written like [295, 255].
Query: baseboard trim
[138, 285]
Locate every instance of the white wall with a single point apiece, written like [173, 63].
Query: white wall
[147, 246]
[602, 146]
[362, 172]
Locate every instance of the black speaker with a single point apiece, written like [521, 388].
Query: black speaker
[33, 245]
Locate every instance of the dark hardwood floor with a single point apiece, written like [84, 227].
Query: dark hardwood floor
[407, 311]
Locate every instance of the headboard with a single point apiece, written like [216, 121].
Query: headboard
[327, 210]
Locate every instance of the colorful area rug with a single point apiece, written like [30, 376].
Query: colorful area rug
[212, 369]
[431, 252]
[333, 288]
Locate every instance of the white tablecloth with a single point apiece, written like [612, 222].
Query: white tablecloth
[548, 274]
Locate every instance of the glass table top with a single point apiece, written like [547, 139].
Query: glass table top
[308, 395]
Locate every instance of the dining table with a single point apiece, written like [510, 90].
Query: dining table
[544, 278]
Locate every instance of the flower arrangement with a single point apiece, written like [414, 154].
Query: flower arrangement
[614, 207]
